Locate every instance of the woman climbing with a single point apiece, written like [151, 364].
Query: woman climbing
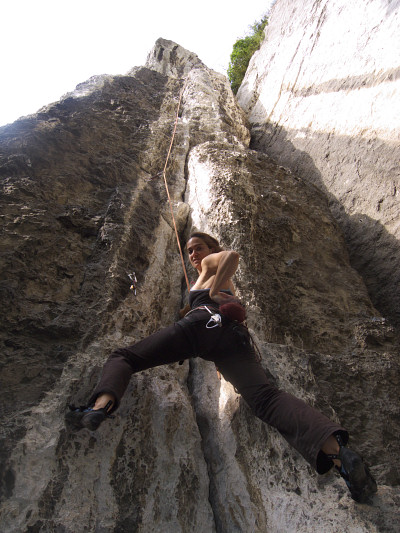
[213, 330]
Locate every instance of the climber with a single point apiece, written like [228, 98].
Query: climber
[213, 330]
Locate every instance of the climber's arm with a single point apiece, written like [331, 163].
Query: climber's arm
[223, 265]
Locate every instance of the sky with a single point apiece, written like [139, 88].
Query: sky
[48, 47]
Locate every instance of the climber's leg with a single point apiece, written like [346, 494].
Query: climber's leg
[305, 428]
[167, 345]
[103, 400]
[320, 441]
[187, 338]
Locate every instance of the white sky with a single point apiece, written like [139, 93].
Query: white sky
[49, 46]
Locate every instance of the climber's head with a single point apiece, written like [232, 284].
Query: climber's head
[199, 246]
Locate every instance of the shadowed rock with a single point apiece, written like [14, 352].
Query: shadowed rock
[322, 97]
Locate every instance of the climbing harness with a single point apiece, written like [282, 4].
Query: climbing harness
[215, 319]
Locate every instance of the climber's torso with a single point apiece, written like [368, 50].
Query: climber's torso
[208, 271]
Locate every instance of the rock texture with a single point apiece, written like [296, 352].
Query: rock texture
[322, 96]
[82, 206]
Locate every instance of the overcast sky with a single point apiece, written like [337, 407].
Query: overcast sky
[49, 46]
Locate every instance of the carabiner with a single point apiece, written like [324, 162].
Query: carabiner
[217, 321]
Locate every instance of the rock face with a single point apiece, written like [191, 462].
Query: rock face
[83, 205]
[322, 97]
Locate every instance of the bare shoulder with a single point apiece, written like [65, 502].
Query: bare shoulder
[213, 260]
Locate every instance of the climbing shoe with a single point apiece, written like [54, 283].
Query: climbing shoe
[86, 417]
[355, 472]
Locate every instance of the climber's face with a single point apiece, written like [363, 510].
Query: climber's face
[197, 250]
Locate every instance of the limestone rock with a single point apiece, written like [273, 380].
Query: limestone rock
[83, 205]
[205, 93]
[335, 343]
[322, 95]
[171, 59]
[284, 231]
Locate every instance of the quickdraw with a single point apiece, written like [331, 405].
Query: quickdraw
[133, 279]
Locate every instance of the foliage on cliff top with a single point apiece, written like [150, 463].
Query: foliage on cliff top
[242, 51]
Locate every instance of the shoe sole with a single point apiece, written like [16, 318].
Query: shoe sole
[91, 420]
[361, 483]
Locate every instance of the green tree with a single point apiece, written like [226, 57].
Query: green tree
[242, 51]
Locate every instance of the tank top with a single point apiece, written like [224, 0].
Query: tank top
[199, 297]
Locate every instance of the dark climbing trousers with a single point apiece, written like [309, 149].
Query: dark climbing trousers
[229, 347]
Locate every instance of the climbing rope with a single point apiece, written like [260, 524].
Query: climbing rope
[166, 186]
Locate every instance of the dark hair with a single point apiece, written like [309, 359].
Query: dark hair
[210, 241]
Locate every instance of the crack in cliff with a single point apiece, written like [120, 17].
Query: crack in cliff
[201, 422]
